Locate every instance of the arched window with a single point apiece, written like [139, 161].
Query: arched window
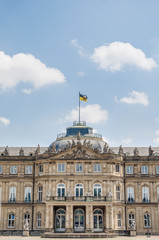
[60, 220]
[11, 220]
[145, 194]
[79, 190]
[98, 220]
[131, 219]
[12, 194]
[27, 218]
[117, 193]
[130, 194]
[79, 220]
[97, 189]
[27, 194]
[40, 193]
[61, 190]
[147, 220]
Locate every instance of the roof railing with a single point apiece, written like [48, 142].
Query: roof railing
[81, 123]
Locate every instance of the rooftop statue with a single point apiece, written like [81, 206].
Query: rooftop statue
[21, 152]
[105, 148]
[78, 138]
[136, 151]
[37, 151]
[6, 152]
[120, 150]
[53, 148]
[150, 151]
[73, 143]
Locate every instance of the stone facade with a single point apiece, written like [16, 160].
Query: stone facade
[79, 190]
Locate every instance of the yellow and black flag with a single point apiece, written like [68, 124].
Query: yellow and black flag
[83, 97]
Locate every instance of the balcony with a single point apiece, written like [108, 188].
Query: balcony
[80, 198]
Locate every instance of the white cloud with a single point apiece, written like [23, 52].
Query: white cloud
[26, 91]
[157, 132]
[4, 121]
[116, 55]
[26, 68]
[127, 141]
[136, 98]
[90, 113]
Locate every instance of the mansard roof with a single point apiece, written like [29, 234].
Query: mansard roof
[14, 151]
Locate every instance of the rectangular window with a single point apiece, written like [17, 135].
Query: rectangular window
[145, 194]
[39, 220]
[40, 168]
[130, 194]
[27, 196]
[79, 167]
[144, 170]
[97, 167]
[118, 193]
[28, 170]
[13, 169]
[61, 167]
[40, 193]
[157, 169]
[12, 194]
[11, 220]
[119, 220]
[1, 169]
[129, 169]
[117, 168]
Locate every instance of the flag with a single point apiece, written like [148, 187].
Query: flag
[83, 97]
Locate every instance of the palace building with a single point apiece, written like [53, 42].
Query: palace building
[79, 186]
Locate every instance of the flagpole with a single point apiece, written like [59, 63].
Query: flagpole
[79, 108]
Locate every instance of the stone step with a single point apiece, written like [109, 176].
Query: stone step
[78, 235]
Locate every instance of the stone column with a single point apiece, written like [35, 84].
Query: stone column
[88, 218]
[111, 217]
[69, 219]
[106, 222]
[47, 218]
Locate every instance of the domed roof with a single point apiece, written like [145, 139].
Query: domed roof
[70, 138]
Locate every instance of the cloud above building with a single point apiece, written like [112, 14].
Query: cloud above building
[27, 69]
[135, 97]
[116, 55]
[4, 121]
[92, 113]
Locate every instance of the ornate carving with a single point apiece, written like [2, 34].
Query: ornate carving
[78, 138]
[79, 153]
[136, 151]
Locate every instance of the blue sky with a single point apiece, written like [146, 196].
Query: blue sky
[52, 49]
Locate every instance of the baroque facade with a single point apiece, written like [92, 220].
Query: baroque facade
[79, 186]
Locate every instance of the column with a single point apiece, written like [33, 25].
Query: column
[47, 218]
[69, 219]
[106, 222]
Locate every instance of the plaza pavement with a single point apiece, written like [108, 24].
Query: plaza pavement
[117, 238]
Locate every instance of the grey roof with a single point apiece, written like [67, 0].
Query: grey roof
[14, 151]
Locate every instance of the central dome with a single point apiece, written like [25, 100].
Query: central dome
[87, 137]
